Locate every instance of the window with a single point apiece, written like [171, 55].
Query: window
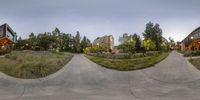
[9, 35]
[1, 32]
[199, 33]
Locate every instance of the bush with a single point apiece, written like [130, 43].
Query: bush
[124, 55]
[129, 64]
[191, 53]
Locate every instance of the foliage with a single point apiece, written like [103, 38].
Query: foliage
[172, 42]
[191, 53]
[149, 44]
[165, 46]
[124, 55]
[85, 43]
[77, 43]
[95, 49]
[130, 43]
[33, 64]
[55, 40]
[129, 64]
[153, 32]
[138, 42]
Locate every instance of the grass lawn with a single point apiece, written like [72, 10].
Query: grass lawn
[129, 64]
[195, 62]
[33, 64]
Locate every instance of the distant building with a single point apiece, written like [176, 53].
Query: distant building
[105, 40]
[125, 38]
[7, 36]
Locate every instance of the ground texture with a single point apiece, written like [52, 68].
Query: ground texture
[172, 79]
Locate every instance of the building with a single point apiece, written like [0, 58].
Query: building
[7, 37]
[107, 41]
[192, 41]
[125, 38]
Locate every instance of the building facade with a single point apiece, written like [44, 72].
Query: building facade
[7, 38]
[107, 41]
[192, 41]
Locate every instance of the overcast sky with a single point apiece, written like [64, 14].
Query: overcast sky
[95, 18]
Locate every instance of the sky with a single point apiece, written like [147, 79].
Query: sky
[96, 18]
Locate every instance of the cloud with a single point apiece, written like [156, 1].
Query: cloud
[95, 18]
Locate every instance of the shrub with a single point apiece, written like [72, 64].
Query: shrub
[191, 53]
[124, 55]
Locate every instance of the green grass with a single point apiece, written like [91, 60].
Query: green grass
[33, 64]
[195, 62]
[129, 64]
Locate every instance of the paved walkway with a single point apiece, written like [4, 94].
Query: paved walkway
[172, 79]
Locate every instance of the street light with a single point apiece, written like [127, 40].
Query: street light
[192, 37]
[192, 46]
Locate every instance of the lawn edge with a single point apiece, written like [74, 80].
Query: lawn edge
[151, 65]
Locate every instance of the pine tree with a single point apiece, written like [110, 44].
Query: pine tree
[77, 40]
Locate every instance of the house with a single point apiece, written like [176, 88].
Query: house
[192, 41]
[107, 40]
[7, 37]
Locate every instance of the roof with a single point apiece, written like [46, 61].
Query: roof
[6, 25]
[191, 33]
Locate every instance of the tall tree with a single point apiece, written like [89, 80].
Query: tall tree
[84, 43]
[138, 42]
[56, 32]
[153, 32]
[32, 41]
[31, 35]
[77, 40]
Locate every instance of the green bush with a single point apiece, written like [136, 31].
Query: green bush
[129, 64]
[124, 55]
[191, 53]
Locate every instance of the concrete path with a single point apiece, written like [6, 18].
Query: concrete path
[172, 79]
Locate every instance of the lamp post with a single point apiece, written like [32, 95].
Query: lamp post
[191, 47]
[98, 49]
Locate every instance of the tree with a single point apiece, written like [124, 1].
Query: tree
[172, 43]
[165, 46]
[19, 43]
[149, 44]
[44, 41]
[130, 43]
[56, 32]
[31, 35]
[77, 42]
[153, 32]
[32, 41]
[138, 42]
[84, 43]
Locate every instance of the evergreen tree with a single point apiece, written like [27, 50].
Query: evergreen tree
[138, 42]
[77, 40]
[56, 32]
[84, 43]
[153, 32]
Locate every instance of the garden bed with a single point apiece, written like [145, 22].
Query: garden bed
[129, 64]
[33, 64]
[195, 62]
[190, 53]
[124, 55]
